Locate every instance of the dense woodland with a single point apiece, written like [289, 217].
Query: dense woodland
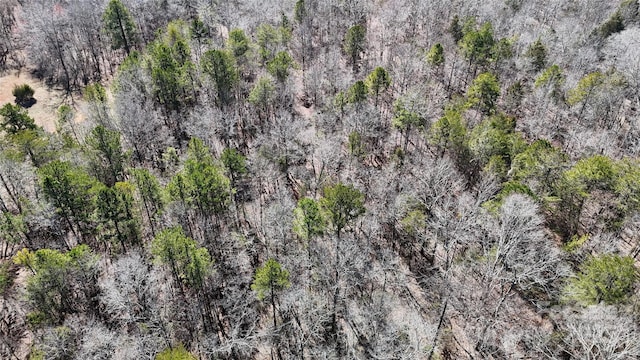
[338, 179]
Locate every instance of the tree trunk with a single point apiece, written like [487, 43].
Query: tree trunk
[122, 32]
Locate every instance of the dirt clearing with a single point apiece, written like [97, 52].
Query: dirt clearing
[47, 99]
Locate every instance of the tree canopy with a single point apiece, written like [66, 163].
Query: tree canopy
[189, 262]
[354, 44]
[120, 26]
[346, 179]
[343, 204]
[607, 278]
[16, 119]
[220, 67]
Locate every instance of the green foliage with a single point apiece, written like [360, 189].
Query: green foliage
[175, 353]
[62, 282]
[575, 243]
[614, 24]
[551, 76]
[483, 93]
[23, 94]
[502, 122]
[107, 159]
[398, 155]
[342, 204]
[405, 118]
[129, 68]
[596, 91]
[201, 183]
[170, 159]
[455, 29]
[65, 114]
[577, 183]
[477, 45]
[35, 354]
[514, 95]
[150, 192]
[172, 72]
[198, 153]
[268, 39]
[6, 277]
[16, 119]
[357, 93]
[497, 166]
[299, 11]
[270, 279]
[449, 135]
[586, 86]
[176, 37]
[189, 263]
[449, 132]
[515, 188]
[263, 94]
[131, 62]
[234, 162]
[354, 44]
[166, 75]
[116, 214]
[606, 278]
[627, 185]
[198, 29]
[574, 186]
[36, 145]
[487, 141]
[279, 66]
[566, 207]
[413, 221]
[537, 53]
[340, 101]
[435, 56]
[356, 144]
[65, 126]
[238, 43]
[25, 257]
[495, 136]
[119, 25]
[98, 108]
[502, 49]
[308, 220]
[70, 191]
[285, 29]
[541, 165]
[595, 172]
[378, 81]
[95, 93]
[219, 66]
[540, 152]
[552, 79]
[36, 319]
[508, 188]
[12, 227]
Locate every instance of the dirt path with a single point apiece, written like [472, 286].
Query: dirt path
[48, 100]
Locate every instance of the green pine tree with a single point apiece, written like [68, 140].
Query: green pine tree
[119, 25]
[269, 280]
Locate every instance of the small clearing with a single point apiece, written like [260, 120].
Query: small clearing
[47, 99]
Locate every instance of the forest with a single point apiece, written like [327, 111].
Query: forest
[305, 179]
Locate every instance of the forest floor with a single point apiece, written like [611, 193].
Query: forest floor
[48, 99]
